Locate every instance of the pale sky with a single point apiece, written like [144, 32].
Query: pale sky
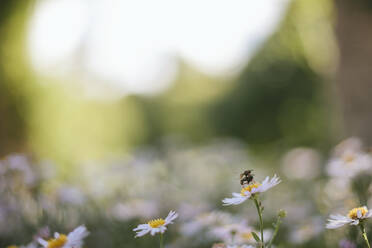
[131, 44]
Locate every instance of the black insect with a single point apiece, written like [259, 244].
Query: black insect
[246, 177]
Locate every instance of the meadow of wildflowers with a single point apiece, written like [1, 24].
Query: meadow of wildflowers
[122, 204]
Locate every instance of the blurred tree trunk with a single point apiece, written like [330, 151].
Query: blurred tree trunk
[13, 102]
[354, 76]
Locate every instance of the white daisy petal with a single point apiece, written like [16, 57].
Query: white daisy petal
[171, 216]
[43, 242]
[354, 222]
[235, 200]
[143, 232]
[75, 238]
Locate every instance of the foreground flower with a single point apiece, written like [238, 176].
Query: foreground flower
[155, 226]
[73, 240]
[250, 190]
[354, 217]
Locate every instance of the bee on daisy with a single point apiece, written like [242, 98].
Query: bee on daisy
[251, 190]
[73, 240]
[156, 226]
[355, 217]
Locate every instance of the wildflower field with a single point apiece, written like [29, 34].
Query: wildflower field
[180, 198]
[185, 123]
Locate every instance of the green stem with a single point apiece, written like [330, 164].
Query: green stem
[256, 202]
[364, 234]
[161, 241]
[277, 225]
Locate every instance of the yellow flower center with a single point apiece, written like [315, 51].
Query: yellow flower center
[353, 213]
[156, 223]
[249, 188]
[58, 242]
[246, 235]
[12, 246]
[348, 158]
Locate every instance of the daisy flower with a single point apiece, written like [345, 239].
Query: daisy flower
[354, 217]
[349, 164]
[155, 226]
[250, 190]
[73, 240]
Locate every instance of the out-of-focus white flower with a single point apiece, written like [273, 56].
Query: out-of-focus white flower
[251, 190]
[134, 208]
[349, 160]
[349, 164]
[231, 232]
[307, 230]
[155, 226]
[71, 195]
[354, 217]
[301, 163]
[349, 144]
[73, 240]
[337, 189]
[344, 243]
[204, 221]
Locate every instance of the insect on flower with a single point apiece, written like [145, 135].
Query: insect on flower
[155, 226]
[250, 190]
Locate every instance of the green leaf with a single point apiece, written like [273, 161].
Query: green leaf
[255, 236]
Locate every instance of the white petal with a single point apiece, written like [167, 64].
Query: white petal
[171, 216]
[369, 214]
[75, 238]
[354, 222]
[143, 232]
[154, 231]
[141, 227]
[162, 229]
[235, 200]
[337, 221]
[42, 242]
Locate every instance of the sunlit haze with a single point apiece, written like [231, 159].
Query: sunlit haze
[133, 46]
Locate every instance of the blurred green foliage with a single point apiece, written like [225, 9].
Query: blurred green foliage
[281, 99]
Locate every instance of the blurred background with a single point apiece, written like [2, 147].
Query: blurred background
[114, 112]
